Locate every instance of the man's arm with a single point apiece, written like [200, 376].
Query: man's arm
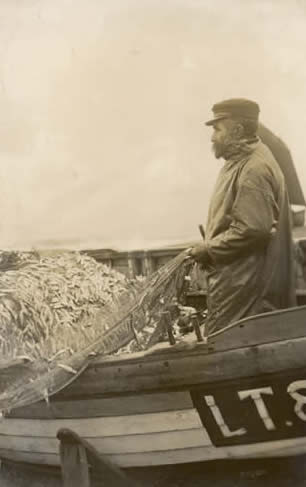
[253, 220]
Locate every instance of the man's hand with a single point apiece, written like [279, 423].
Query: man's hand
[199, 253]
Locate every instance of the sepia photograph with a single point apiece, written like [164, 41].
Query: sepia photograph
[152, 243]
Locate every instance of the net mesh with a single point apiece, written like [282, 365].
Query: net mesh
[109, 329]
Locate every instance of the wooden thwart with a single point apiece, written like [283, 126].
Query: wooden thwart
[79, 459]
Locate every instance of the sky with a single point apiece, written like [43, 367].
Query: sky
[102, 141]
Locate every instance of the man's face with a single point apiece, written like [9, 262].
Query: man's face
[222, 131]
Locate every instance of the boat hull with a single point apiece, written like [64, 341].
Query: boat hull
[190, 403]
[173, 427]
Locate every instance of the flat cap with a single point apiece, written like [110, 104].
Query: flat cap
[234, 108]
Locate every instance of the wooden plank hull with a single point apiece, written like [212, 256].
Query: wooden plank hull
[178, 456]
[240, 396]
[147, 449]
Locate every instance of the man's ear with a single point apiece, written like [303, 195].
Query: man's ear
[238, 130]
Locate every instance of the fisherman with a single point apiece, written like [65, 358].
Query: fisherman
[247, 251]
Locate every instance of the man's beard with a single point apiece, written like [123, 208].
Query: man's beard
[230, 146]
[224, 147]
[219, 149]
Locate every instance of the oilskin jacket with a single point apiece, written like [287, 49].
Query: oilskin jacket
[249, 240]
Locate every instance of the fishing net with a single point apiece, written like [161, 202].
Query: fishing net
[108, 328]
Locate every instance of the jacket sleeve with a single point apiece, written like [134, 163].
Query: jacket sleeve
[253, 221]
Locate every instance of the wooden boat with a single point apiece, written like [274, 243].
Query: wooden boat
[241, 394]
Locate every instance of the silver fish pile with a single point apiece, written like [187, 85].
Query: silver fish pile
[42, 298]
